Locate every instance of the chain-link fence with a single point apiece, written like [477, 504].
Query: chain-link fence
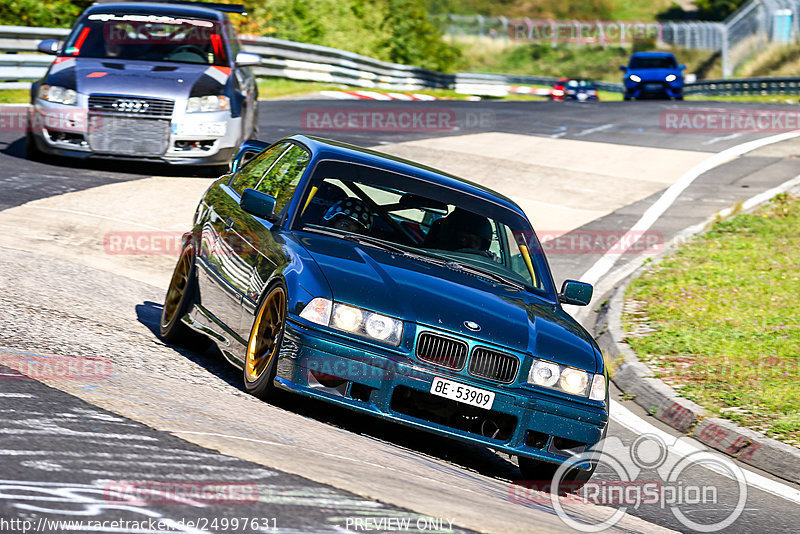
[738, 38]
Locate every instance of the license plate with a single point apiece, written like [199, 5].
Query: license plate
[653, 86]
[462, 393]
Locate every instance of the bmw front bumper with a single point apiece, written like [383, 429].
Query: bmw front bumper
[521, 421]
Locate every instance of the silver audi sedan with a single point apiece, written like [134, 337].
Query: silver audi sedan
[146, 81]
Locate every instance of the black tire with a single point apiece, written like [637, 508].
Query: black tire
[679, 97]
[32, 152]
[179, 298]
[627, 98]
[263, 345]
[536, 470]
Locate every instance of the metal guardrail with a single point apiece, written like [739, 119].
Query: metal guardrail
[306, 62]
[746, 86]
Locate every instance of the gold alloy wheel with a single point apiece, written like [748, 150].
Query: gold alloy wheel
[177, 287]
[265, 334]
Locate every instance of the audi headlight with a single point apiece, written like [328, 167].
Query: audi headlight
[567, 379]
[208, 103]
[635, 78]
[58, 95]
[671, 77]
[354, 320]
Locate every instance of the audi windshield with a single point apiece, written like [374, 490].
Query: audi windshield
[152, 38]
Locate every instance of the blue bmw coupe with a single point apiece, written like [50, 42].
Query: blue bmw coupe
[395, 290]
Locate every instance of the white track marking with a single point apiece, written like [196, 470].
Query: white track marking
[684, 447]
[17, 395]
[595, 129]
[668, 198]
[723, 138]
[373, 95]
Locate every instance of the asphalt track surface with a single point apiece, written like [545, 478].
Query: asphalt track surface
[50, 439]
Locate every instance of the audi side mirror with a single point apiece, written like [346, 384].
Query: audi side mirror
[247, 59]
[48, 46]
[247, 151]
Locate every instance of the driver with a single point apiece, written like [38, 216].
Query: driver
[469, 231]
[461, 230]
[349, 214]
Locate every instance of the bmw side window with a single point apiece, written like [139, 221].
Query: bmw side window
[281, 180]
[253, 171]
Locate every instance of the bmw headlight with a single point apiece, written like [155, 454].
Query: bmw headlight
[567, 379]
[671, 77]
[208, 103]
[635, 78]
[58, 95]
[354, 320]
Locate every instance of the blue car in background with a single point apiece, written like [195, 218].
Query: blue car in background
[653, 75]
[394, 290]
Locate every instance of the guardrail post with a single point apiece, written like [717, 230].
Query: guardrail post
[726, 60]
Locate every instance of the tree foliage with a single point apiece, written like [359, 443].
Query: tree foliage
[717, 9]
[47, 13]
[392, 30]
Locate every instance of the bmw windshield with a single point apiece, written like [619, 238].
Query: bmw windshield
[154, 38]
[393, 211]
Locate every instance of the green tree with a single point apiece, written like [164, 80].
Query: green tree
[717, 9]
[48, 13]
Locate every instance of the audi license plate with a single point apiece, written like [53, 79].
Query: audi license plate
[462, 393]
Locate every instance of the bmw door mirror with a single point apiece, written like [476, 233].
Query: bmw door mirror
[247, 59]
[575, 293]
[682, 67]
[48, 46]
[247, 151]
[259, 204]
[623, 68]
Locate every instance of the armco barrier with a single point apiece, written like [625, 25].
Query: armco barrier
[19, 66]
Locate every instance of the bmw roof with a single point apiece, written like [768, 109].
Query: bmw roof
[347, 152]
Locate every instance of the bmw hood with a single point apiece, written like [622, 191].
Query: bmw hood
[137, 78]
[442, 298]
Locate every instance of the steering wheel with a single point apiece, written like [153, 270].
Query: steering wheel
[192, 49]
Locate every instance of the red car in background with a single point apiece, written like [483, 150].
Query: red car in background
[573, 89]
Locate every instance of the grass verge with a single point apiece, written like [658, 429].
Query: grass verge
[14, 96]
[719, 319]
